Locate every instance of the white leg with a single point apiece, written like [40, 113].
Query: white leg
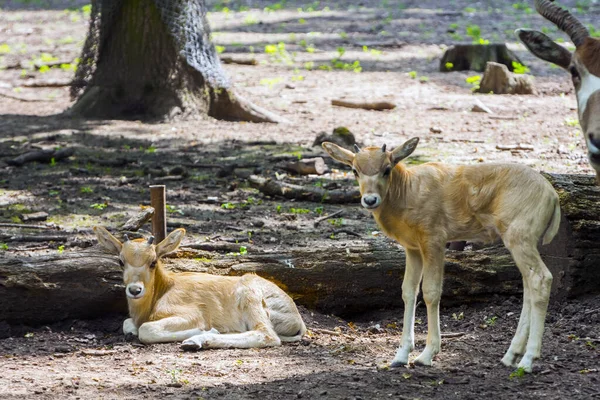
[433, 275]
[245, 340]
[540, 280]
[517, 346]
[129, 327]
[410, 290]
[171, 329]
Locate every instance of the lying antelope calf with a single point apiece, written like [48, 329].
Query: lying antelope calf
[425, 206]
[203, 310]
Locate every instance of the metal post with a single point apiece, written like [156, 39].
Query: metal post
[158, 200]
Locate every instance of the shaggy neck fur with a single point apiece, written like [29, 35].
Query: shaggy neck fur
[141, 309]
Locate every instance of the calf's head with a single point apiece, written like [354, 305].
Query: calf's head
[583, 65]
[372, 167]
[139, 258]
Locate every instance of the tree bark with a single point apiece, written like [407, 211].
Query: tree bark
[153, 59]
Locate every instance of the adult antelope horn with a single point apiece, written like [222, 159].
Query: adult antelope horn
[563, 19]
[356, 148]
[150, 239]
[383, 148]
[125, 238]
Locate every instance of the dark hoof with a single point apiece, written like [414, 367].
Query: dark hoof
[397, 364]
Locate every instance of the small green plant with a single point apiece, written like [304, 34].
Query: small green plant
[3, 246]
[572, 122]
[250, 20]
[29, 335]
[319, 210]
[228, 206]
[270, 82]
[449, 65]
[243, 250]
[423, 79]
[341, 51]
[278, 209]
[458, 317]
[173, 210]
[519, 68]
[412, 75]
[336, 221]
[98, 206]
[518, 373]
[299, 210]
[86, 190]
[151, 150]
[491, 321]
[343, 35]
[5, 48]
[474, 81]
[219, 49]
[61, 248]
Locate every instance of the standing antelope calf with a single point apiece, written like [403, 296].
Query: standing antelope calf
[583, 65]
[202, 310]
[424, 207]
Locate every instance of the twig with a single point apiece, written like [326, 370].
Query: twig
[347, 232]
[23, 226]
[40, 238]
[330, 332]
[321, 219]
[238, 60]
[35, 83]
[592, 311]
[234, 228]
[451, 335]
[23, 98]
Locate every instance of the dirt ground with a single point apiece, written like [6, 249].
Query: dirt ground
[106, 181]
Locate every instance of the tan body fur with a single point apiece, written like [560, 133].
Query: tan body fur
[426, 206]
[203, 310]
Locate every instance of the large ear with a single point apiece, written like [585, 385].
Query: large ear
[545, 48]
[400, 153]
[108, 241]
[170, 243]
[339, 153]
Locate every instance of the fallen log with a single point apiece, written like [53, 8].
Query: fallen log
[137, 221]
[362, 275]
[239, 60]
[45, 156]
[317, 194]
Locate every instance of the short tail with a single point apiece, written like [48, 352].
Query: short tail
[296, 338]
[552, 229]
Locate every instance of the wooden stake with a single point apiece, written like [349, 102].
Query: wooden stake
[159, 219]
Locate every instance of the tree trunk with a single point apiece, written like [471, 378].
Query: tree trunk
[333, 279]
[154, 59]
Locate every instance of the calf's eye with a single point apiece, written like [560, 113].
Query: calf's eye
[355, 172]
[387, 172]
[121, 263]
[153, 264]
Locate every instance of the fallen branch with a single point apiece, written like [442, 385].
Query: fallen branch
[316, 194]
[23, 226]
[216, 246]
[347, 232]
[38, 83]
[367, 105]
[40, 238]
[239, 60]
[321, 219]
[451, 335]
[23, 98]
[513, 147]
[42, 156]
[137, 221]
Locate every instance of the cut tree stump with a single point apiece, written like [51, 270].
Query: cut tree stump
[362, 276]
[498, 79]
[307, 166]
[474, 57]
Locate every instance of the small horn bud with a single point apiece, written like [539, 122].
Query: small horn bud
[383, 148]
[150, 239]
[356, 148]
[125, 238]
